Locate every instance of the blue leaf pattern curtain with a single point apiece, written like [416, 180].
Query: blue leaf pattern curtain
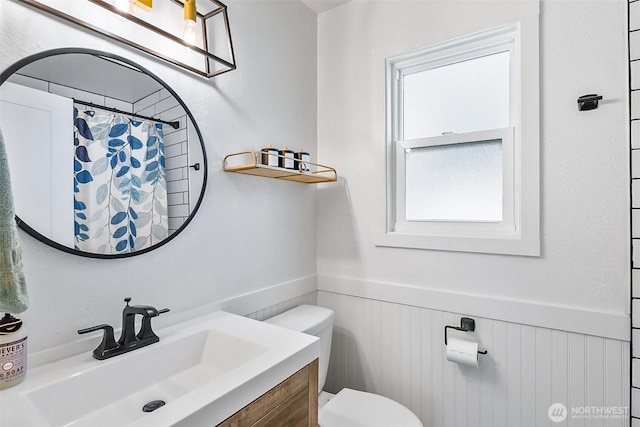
[120, 184]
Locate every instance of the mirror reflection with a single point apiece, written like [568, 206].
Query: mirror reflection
[105, 159]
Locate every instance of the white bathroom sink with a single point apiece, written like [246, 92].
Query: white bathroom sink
[206, 368]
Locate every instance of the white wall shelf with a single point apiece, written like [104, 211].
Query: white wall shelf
[248, 162]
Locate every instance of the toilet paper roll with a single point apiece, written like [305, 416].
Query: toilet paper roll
[462, 351]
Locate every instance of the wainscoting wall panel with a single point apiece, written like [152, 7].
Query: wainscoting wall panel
[397, 350]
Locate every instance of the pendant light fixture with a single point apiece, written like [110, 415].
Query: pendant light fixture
[158, 30]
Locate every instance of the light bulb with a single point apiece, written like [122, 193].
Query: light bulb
[124, 5]
[189, 32]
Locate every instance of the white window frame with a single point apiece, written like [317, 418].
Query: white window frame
[518, 232]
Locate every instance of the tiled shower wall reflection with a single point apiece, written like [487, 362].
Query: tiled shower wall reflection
[163, 105]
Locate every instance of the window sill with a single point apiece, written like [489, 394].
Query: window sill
[488, 245]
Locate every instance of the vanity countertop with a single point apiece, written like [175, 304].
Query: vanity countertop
[205, 370]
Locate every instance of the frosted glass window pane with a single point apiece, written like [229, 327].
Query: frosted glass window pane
[466, 96]
[457, 182]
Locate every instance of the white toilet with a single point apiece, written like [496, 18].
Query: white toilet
[347, 408]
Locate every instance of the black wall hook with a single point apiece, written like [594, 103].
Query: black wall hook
[467, 324]
[588, 102]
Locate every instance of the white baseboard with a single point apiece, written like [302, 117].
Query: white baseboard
[564, 318]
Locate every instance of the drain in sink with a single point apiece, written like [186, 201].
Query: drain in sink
[153, 405]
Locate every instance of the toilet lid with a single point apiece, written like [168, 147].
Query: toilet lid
[352, 408]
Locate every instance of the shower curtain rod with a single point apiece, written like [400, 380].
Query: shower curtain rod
[175, 125]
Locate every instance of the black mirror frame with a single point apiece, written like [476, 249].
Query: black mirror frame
[9, 71]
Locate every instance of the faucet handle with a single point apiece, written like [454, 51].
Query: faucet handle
[92, 329]
[108, 341]
[146, 333]
[127, 300]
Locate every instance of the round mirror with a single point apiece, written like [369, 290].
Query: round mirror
[106, 160]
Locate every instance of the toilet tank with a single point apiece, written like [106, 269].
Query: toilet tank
[312, 320]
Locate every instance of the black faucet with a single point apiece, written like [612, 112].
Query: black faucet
[128, 340]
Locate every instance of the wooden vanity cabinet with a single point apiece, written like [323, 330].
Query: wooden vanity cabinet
[292, 403]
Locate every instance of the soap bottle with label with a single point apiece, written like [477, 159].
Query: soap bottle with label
[13, 351]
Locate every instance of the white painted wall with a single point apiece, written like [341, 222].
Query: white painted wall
[556, 326]
[241, 240]
[584, 155]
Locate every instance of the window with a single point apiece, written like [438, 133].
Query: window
[469, 95]
[462, 144]
[454, 181]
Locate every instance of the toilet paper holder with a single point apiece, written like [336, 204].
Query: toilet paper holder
[467, 324]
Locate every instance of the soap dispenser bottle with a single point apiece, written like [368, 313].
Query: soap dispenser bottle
[13, 351]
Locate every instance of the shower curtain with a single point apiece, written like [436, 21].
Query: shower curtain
[120, 186]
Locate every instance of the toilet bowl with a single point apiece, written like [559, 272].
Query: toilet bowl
[347, 408]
